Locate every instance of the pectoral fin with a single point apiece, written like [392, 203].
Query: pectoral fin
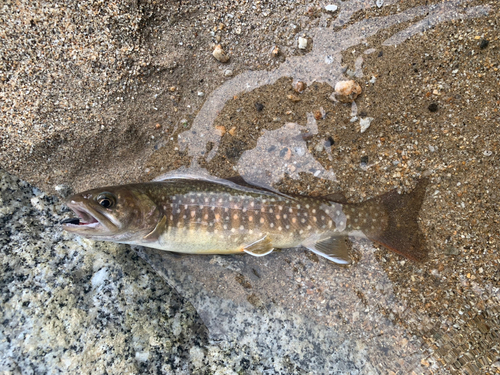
[155, 233]
[260, 247]
[331, 247]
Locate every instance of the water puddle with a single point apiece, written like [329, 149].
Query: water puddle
[319, 316]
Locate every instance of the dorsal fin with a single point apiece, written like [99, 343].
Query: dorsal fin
[235, 182]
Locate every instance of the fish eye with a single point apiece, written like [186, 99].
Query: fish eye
[106, 200]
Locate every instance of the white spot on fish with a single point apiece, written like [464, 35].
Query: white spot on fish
[261, 220]
[271, 225]
[307, 206]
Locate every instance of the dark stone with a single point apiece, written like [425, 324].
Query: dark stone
[484, 43]
[433, 107]
[330, 142]
[259, 106]
[364, 159]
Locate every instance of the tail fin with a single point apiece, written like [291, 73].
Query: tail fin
[402, 234]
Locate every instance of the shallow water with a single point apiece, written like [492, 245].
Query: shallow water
[373, 316]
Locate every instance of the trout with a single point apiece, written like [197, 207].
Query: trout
[207, 215]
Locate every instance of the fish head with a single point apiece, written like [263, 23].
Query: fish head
[118, 213]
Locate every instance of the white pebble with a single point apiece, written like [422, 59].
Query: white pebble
[364, 123]
[302, 43]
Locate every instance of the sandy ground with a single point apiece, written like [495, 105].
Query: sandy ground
[96, 94]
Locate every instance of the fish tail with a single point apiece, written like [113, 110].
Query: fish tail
[402, 233]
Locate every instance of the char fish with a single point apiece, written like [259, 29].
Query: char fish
[207, 215]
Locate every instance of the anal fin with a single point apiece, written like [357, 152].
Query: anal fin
[260, 247]
[331, 247]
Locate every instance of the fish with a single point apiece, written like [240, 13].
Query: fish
[208, 215]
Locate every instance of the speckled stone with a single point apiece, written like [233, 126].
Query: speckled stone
[73, 306]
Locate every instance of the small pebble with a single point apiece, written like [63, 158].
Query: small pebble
[228, 73]
[157, 126]
[275, 52]
[379, 3]
[200, 93]
[364, 123]
[302, 43]
[232, 130]
[219, 54]
[484, 43]
[221, 130]
[346, 91]
[294, 98]
[299, 86]
[259, 106]
[331, 8]
[433, 107]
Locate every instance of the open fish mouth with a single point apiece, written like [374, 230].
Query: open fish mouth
[84, 219]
